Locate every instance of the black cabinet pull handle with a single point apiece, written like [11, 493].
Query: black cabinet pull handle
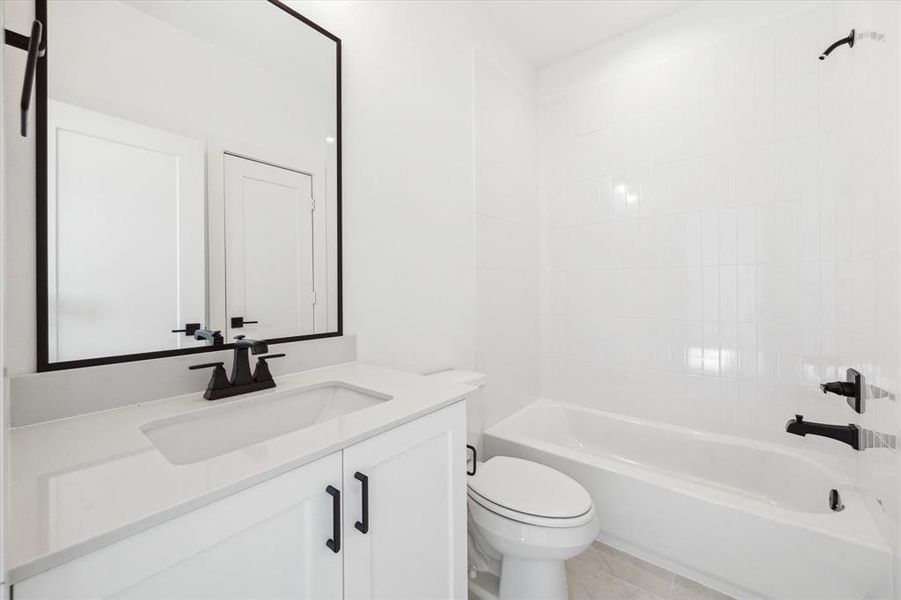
[334, 544]
[364, 525]
[474, 460]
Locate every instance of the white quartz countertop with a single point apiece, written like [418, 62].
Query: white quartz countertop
[81, 483]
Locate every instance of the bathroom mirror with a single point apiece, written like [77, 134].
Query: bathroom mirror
[189, 175]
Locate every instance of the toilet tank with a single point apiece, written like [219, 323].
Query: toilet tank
[474, 401]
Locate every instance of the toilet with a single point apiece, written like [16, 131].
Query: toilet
[525, 519]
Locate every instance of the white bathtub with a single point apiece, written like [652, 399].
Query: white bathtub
[749, 518]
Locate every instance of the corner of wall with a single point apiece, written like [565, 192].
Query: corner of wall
[4, 379]
[505, 200]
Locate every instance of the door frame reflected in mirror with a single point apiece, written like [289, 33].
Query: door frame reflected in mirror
[41, 214]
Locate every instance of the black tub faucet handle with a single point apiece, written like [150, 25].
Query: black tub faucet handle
[842, 388]
[852, 388]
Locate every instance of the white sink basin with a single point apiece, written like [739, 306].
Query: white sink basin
[236, 424]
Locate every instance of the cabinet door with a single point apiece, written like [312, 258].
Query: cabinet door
[415, 546]
[268, 541]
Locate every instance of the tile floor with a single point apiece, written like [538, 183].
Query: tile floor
[605, 573]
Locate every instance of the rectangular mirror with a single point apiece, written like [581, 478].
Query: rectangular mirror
[189, 176]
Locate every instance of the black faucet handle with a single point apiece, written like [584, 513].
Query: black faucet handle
[218, 380]
[799, 418]
[261, 372]
[842, 388]
[207, 365]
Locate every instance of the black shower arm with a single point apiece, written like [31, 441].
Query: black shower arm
[847, 40]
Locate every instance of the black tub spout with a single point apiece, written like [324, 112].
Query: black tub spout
[847, 434]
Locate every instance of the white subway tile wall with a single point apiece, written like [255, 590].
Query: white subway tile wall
[719, 235]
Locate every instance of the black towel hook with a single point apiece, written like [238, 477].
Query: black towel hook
[36, 48]
[846, 40]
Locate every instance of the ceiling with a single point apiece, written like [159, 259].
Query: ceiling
[546, 31]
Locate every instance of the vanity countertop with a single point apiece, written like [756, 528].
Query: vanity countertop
[81, 483]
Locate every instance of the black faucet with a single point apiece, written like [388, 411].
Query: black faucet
[241, 363]
[847, 434]
[242, 380]
[213, 338]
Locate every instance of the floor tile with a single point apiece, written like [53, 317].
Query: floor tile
[645, 575]
[603, 572]
[686, 589]
[587, 582]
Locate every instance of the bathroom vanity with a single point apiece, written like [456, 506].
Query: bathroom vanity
[349, 482]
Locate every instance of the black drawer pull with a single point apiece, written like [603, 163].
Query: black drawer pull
[334, 544]
[364, 525]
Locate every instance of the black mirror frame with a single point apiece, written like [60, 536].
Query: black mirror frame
[43, 364]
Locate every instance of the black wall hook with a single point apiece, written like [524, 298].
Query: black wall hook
[847, 40]
[35, 48]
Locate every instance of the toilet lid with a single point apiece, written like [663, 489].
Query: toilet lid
[530, 488]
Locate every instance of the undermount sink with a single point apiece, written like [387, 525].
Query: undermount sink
[203, 434]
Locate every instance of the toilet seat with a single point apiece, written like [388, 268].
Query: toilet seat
[530, 493]
[527, 519]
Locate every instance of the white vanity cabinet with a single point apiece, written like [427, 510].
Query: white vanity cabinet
[415, 543]
[270, 540]
[267, 541]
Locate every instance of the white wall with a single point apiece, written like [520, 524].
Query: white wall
[411, 149]
[719, 226]
[506, 207]
[4, 379]
[19, 225]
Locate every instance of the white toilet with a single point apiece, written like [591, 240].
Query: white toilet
[525, 519]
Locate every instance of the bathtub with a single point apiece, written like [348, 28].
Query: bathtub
[751, 519]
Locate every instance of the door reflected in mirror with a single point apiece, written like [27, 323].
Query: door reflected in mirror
[191, 179]
[269, 251]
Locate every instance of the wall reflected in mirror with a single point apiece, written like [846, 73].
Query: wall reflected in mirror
[192, 175]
